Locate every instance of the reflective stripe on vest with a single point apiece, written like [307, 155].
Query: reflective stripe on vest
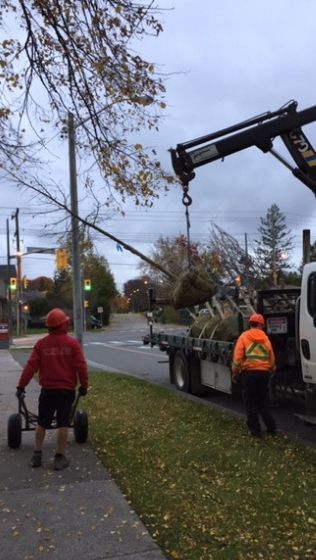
[256, 351]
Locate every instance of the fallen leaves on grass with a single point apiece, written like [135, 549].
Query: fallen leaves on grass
[201, 487]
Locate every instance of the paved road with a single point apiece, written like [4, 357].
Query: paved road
[120, 348]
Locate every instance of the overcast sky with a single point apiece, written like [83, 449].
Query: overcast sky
[225, 62]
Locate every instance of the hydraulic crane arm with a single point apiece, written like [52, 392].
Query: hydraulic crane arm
[260, 132]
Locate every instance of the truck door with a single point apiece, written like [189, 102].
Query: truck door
[307, 323]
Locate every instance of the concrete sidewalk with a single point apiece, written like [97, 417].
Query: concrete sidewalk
[77, 512]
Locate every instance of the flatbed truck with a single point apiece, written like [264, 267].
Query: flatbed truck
[196, 363]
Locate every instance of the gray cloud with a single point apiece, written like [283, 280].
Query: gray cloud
[224, 62]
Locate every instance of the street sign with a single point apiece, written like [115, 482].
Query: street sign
[46, 250]
[100, 309]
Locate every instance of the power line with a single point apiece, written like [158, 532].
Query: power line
[134, 214]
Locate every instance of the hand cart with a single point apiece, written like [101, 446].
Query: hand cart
[25, 421]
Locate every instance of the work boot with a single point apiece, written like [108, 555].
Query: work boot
[60, 462]
[36, 459]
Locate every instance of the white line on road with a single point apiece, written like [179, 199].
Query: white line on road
[120, 342]
[122, 349]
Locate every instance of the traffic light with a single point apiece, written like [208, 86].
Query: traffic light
[13, 284]
[61, 259]
[86, 304]
[87, 285]
[25, 282]
[151, 297]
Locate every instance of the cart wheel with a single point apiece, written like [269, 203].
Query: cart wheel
[81, 426]
[14, 430]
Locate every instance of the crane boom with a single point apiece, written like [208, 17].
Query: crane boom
[258, 131]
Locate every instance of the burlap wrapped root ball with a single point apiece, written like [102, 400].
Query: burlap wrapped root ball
[192, 288]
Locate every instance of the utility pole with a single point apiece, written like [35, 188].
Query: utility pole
[306, 246]
[8, 282]
[18, 272]
[75, 261]
[246, 273]
[76, 269]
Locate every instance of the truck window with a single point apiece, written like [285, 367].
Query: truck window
[311, 294]
[278, 301]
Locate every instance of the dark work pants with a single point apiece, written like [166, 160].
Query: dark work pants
[254, 391]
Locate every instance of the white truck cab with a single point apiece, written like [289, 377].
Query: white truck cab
[307, 324]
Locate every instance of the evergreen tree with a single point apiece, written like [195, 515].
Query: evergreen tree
[274, 246]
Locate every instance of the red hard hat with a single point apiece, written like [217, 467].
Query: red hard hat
[257, 318]
[55, 318]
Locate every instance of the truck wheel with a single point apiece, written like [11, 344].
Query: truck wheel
[170, 366]
[14, 430]
[181, 372]
[81, 426]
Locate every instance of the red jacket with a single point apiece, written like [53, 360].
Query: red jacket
[59, 360]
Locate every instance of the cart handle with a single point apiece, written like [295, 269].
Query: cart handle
[74, 407]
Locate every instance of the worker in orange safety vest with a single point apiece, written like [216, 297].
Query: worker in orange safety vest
[254, 361]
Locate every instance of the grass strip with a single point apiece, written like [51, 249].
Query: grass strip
[203, 489]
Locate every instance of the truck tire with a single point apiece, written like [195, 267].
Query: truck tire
[171, 370]
[181, 372]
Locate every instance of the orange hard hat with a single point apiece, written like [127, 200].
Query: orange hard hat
[257, 318]
[55, 318]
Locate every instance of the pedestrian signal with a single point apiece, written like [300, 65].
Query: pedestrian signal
[87, 285]
[61, 259]
[13, 284]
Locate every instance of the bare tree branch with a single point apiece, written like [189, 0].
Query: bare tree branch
[80, 56]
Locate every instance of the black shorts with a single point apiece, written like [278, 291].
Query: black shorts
[55, 401]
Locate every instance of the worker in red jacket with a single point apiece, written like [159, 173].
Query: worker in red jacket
[254, 360]
[60, 363]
